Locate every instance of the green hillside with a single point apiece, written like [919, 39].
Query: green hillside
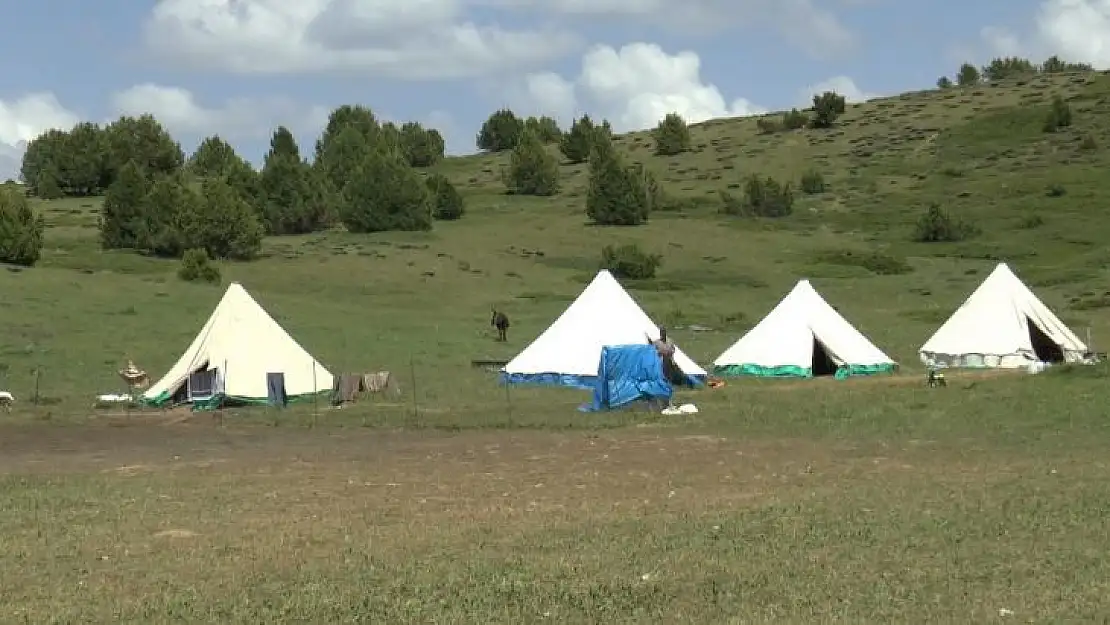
[873, 499]
[362, 302]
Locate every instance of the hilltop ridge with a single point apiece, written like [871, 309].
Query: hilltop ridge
[884, 157]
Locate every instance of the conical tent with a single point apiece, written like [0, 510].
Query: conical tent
[569, 350]
[233, 356]
[1002, 324]
[803, 336]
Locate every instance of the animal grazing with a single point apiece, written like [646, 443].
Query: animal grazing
[500, 321]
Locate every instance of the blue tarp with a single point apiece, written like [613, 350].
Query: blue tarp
[627, 373]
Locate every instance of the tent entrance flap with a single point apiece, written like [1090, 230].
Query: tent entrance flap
[201, 384]
[1044, 347]
[822, 361]
[275, 390]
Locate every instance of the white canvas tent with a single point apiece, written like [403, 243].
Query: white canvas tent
[568, 352]
[803, 336]
[1002, 324]
[233, 353]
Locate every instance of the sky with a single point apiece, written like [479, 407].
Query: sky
[240, 68]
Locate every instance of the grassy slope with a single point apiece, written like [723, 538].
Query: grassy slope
[864, 500]
[365, 302]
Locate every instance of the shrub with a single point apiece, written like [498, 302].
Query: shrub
[196, 267]
[502, 131]
[1089, 143]
[1031, 222]
[46, 185]
[532, 169]
[794, 119]
[577, 143]
[21, 231]
[223, 224]
[447, 202]
[630, 262]
[938, 226]
[618, 195]
[169, 216]
[827, 107]
[767, 197]
[813, 182]
[875, 262]
[1008, 67]
[672, 135]
[732, 205]
[291, 195]
[1059, 115]
[968, 75]
[339, 153]
[546, 128]
[122, 215]
[423, 147]
[386, 195]
[1055, 190]
[944, 82]
[767, 126]
[1056, 65]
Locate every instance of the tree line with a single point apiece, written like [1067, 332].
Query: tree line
[369, 175]
[1007, 68]
[365, 174]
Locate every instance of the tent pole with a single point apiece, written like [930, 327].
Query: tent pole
[315, 392]
[223, 393]
[412, 376]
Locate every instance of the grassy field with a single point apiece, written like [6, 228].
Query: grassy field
[871, 500]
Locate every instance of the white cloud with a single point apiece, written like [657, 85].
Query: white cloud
[1001, 42]
[842, 85]
[25, 118]
[633, 87]
[418, 40]
[805, 23]
[1077, 30]
[236, 118]
[555, 95]
[31, 115]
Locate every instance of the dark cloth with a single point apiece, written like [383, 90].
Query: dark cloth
[351, 386]
[275, 390]
[674, 375]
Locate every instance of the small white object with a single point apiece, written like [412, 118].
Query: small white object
[113, 398]
[1005, 612]
[1037, 366]
[688, 409]
[6, 397]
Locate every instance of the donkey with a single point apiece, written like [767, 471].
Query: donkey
[500, 321]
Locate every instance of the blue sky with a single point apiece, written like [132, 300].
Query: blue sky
[240, 67]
